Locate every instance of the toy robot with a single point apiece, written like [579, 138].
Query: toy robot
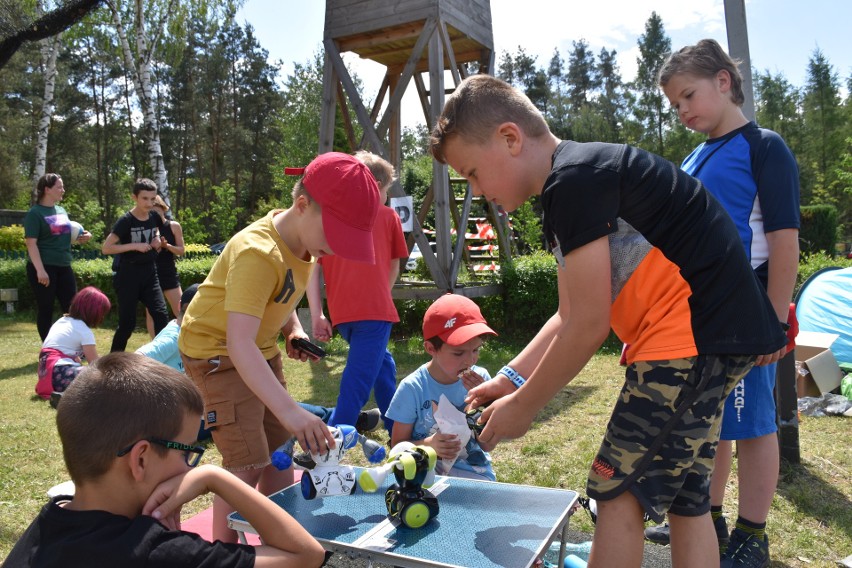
[472, 417]
[324, 476]
[407, 501]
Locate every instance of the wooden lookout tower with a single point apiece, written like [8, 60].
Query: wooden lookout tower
[412, 38]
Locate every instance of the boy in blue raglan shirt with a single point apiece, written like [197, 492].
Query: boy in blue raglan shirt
[453, 332]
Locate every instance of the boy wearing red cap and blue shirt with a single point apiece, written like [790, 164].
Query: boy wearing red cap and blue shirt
[453, 333]
[229, 335]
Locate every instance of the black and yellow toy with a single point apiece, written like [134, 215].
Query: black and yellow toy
[408, 501]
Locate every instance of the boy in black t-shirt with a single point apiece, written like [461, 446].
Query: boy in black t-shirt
[127, 425]
[643, 248]
[135, 240]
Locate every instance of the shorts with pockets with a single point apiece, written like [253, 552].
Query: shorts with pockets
[244, 430]
[661, 440]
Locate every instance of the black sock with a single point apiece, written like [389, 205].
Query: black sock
[750, 527]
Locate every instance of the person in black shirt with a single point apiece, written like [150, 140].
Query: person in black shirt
[128, 426]
[135, 240]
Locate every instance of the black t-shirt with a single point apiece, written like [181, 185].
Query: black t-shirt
[129, 229]
[62, 538]
[643, 202]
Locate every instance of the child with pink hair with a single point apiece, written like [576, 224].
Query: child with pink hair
[70, 340]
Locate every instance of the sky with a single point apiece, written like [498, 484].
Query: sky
[783, 34]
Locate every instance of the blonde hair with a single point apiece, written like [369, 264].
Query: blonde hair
[704, 59]
[381, 169]
[478, 106]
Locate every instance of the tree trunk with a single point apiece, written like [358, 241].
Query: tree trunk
[49, 49]
[140, 72]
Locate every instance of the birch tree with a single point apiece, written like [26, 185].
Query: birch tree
[139, 68]
[49, 47]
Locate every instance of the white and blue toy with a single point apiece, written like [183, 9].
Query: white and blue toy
[327, 477]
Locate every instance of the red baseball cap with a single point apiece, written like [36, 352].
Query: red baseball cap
[349, 196]
[455, 319]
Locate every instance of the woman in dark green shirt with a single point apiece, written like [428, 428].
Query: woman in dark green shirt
[47, 231]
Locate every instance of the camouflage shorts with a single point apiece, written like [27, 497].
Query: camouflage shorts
[661, 439]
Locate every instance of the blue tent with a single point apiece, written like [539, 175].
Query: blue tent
[824, 303]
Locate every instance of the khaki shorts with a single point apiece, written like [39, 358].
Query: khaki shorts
[244, 430]
[661, 440]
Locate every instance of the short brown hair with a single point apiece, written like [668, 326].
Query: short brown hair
[144, 184]
[478, 106]
[120, 399]
[381, 169]
[704, 59]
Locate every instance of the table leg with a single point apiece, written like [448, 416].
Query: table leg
[562, 538]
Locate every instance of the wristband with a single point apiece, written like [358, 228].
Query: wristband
[513, 376]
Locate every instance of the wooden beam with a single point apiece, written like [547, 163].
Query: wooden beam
[354, 97]
[347, 120]
[448, 46]
[382, 37]
[408, 71]
[461, 57]
[424, 101]
[427, 291]
[440, 179]
[326, 133]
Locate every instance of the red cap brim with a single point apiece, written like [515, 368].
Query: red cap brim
[466, 333]
[346, 241]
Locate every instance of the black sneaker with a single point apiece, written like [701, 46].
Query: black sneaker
[746, 550]
[660, 534]
[368, 420]
[55, 397]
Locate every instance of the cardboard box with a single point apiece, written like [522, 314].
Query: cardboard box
[817, 369]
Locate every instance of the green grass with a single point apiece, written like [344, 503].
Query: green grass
[810, 523]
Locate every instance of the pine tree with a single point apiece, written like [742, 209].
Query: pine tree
[822, 114]
[654, 47]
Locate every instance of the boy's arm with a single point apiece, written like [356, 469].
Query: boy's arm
[783, 266]
[286, 542]
[524, 363]
[584, 292]
[393, 273]
[309, 430]
[321, 327]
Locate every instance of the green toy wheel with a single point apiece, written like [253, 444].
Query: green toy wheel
[415, 514]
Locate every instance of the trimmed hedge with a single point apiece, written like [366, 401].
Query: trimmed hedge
[97, 272]
[530, 294]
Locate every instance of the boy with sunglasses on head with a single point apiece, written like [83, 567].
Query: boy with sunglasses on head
[127, 426]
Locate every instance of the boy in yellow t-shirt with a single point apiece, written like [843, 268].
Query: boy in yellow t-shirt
[228, 338]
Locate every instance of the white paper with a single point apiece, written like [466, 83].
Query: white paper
[451, 420]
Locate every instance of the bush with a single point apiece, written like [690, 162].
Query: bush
[530, 294]
[819, 228]
[12, 238]
[812, 263]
